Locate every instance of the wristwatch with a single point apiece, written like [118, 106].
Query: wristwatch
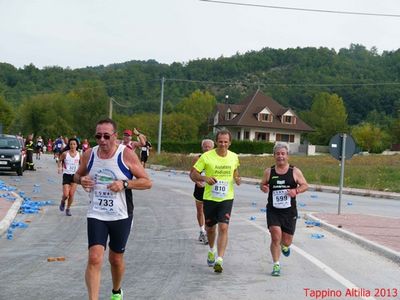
[125, 183]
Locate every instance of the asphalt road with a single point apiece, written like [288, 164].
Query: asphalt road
[164, 260]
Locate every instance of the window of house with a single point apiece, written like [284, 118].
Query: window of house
[246, 135]
[262, 136]
[230, 115]
[287, 138]
[289, 120]
[265, 117]
[238, 135]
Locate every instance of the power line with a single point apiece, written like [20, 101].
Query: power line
[241, 83]
[119, 104]
[287, 84]
[305, 9]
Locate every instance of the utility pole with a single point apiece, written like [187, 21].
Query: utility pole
[110, 107]
[161, 115]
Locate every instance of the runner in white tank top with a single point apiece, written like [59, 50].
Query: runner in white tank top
[68, 165]
[109, 172]
[105, 204]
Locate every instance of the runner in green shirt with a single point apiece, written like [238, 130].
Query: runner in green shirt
[221, 171]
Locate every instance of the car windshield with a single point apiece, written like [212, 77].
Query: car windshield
[9, 143]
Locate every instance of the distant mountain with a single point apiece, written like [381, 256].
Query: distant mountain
[365, 79]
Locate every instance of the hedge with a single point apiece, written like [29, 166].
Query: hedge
[243, 147]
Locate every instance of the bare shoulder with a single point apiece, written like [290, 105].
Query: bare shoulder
[297, 171]
[266, 175]
[298, 175]
[267, 170]
[130, 156]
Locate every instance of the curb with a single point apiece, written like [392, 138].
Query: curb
[367, 244]
[12, 212]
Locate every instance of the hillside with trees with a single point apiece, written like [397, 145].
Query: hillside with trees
[363, 84]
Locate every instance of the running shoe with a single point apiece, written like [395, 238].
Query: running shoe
[203, 238]
[62, 205]
[211, 258]
[285, 250]
[117, 296]
[205, 241]
[218, 265]
[276, 270]
[68, 212]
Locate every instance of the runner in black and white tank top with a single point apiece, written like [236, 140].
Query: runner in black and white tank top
[105, 204]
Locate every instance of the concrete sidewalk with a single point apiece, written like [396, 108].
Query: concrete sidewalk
[376, 233]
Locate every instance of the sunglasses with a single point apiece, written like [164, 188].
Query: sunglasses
[106, 136]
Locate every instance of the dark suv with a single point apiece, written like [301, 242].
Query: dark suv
[12, 154]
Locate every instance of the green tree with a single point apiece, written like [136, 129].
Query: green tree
[6, 114]
[327, 116]
[48, 115]
[88, 103]
[179, 127]
[370, 137]
[198, 105]
[146, 123]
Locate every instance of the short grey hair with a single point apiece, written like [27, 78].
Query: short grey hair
[207, 141]
[280, 145]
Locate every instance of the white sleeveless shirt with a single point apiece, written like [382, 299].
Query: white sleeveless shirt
[105, 204]
[71, 164]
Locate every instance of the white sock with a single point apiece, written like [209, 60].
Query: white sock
[202, 229]
[276, 263]
[212, 250]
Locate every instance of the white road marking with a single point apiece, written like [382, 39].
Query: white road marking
[328, 270]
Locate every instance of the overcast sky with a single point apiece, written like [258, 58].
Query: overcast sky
[79, 33]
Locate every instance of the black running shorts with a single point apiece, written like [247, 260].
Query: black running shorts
[68, 179]
[217, 212]
[287, 220]
[98, 232]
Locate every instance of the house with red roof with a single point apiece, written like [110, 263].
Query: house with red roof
[260, 118]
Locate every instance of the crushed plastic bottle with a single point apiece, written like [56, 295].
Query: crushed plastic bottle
[18, 225]
[349, 203]
[264, 209]
[314, 196]
[252, 218]
[313, 223]
[317, 236]
[253, 203]
[32, 207]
